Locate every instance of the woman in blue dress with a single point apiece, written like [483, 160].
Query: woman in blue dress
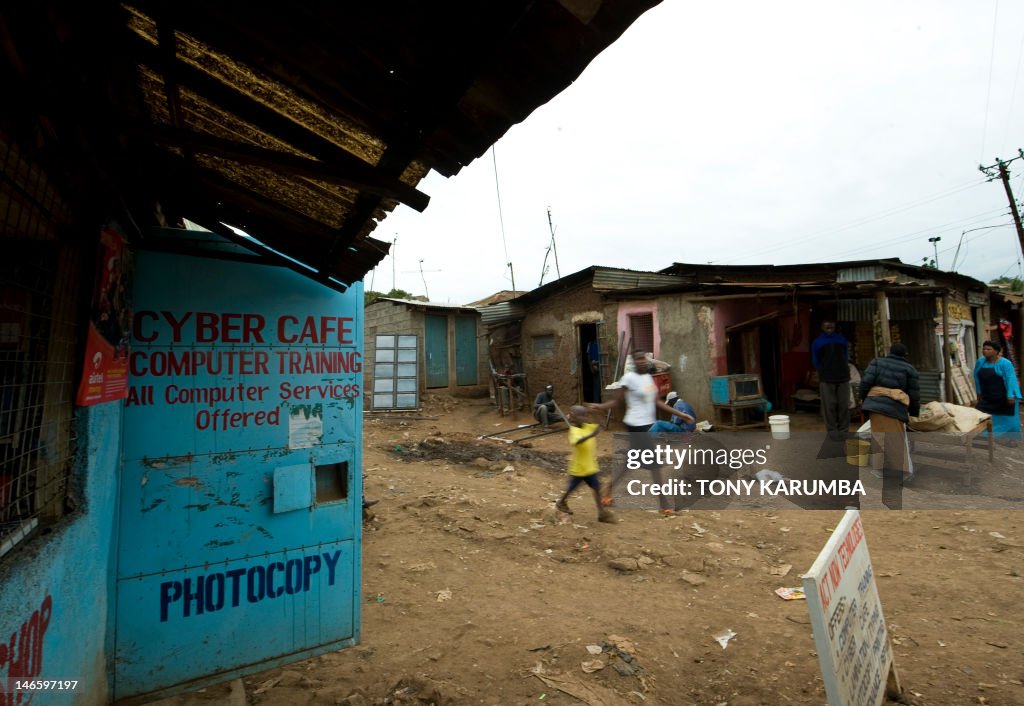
[998, 392]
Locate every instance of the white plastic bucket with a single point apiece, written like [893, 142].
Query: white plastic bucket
[779, 424]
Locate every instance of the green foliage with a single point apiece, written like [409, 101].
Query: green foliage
[1014, 284]
[370, 297]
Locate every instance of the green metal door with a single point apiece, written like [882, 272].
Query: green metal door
[465, 351]
[437, 350]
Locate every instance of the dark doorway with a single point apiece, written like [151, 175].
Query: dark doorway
[753, 347]
[590, 363]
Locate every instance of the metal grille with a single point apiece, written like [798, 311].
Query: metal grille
[641, 329]
[39, 278]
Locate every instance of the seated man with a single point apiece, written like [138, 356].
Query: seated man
[685, 420]
[544, 407]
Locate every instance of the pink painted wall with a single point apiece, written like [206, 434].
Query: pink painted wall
[644, 307]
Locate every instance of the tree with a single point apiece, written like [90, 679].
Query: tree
[1014, 284]
[371, 296]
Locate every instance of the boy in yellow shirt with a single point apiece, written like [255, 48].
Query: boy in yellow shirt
[583, 462]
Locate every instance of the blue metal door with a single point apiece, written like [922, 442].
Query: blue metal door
[437, 350]
[465, 351]
[240, 494]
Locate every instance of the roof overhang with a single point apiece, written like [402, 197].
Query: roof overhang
[303, 123]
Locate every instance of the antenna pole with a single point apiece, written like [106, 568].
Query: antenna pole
[394, 250]
[424, 278]
[554, 247]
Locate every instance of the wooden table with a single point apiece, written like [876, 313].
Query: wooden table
[963, 439]
[738, 415]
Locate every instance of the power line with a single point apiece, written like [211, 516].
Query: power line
[991, 64]
[932, 230]
[869, 219]
[1013, 91]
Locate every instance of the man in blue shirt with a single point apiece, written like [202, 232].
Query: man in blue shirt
[831, 358]
[686, 420]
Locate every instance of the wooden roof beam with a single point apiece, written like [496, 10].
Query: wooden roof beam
[239, 104]
[352, 172]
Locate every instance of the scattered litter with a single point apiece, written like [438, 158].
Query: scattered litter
[622, 644]
[267, 685]
[591, 666]
[541, 648]
[698, 528]
[785, 529]
[380, 598]
[767, 475]
[637, 693]
[790, 594]
[723, 637]
[594, 649]
[444, 595]
[624, 669]
[780, 570]
[996, 535]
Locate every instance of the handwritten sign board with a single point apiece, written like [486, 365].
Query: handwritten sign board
[846, 616]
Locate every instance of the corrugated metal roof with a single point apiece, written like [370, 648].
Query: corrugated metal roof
[606, 278]
[416, 303]
[501, 313]
[863, 273]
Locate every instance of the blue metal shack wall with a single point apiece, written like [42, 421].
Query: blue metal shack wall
[56, 590]
[240, 496]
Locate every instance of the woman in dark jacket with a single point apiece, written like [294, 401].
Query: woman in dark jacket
[892, 394]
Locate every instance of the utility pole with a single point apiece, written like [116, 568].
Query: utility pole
[1004, 174]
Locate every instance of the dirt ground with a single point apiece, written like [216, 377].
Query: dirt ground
[476, 591]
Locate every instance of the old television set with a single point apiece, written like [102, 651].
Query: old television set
[731, 389]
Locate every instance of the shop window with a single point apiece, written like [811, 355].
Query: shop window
[543, 346]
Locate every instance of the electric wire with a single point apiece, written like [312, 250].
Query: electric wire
[863, 247]
[501, 219]
[988, 91]
[870, 219]
[1013, 91]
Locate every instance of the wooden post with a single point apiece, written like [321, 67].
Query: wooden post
[946, 367]
[883, 321]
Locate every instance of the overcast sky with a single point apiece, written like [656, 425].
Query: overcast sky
[745, 133]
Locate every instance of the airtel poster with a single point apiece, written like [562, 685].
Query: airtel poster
[105, 373]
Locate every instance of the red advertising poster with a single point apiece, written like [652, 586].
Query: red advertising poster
[105, 373]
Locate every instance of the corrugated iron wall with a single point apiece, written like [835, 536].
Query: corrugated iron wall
[900, 308]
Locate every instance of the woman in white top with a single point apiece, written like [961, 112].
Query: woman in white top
[638, 391]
